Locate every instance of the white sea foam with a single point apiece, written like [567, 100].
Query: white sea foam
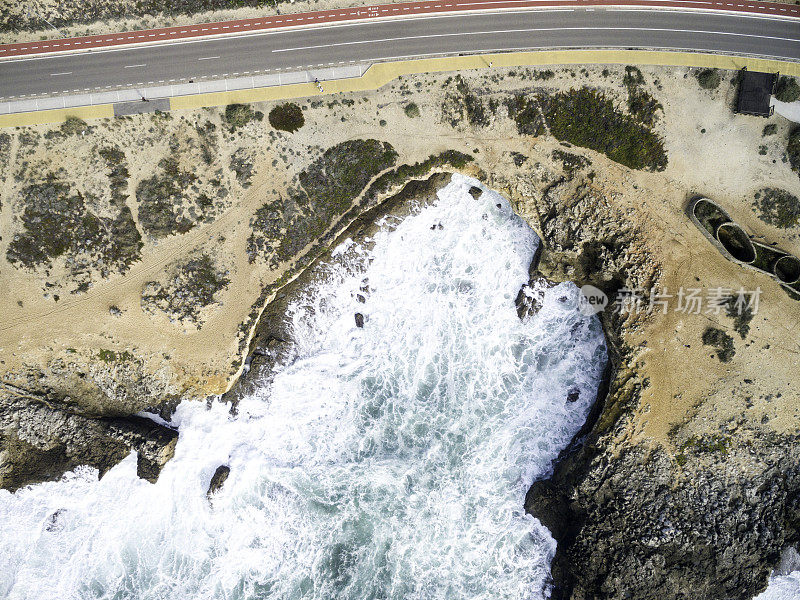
[389, 461]
[785, 581]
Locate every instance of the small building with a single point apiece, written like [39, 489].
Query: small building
[755, 91]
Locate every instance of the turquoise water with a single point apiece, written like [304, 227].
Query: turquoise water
[383, 462]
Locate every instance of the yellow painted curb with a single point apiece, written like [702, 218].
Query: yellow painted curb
[57, 115]
[380, 74]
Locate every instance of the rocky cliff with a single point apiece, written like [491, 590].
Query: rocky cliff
[704, 511]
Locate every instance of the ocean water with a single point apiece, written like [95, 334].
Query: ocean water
[384, 462]
[785, 581]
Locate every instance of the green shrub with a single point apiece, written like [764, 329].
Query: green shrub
[633, 77]
[287, 117]
[587, 118]
[160, 197]
[74, 126]
[463, 105]
[787, 89]
[709, 79]
[191, 286]
[328, 188]
[778, 207]
[570, 162]
[721, 342]
[793, 149]
[58, 221]
[770, 129]
[239, 115]
[411, 110]
[452, 158]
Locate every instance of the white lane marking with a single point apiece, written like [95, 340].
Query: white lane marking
[64, 73]
[135, 66]
[533, 30]
[209, 58]
[422, 17]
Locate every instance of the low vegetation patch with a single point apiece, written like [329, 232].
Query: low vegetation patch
[190, 287]
[570, 162]
[411, 110]
[328, 187]
[161, 200]
[713, 443]
[448, 158]
[787, 89]
[58, 222]
[709, 79]
[5, 149]
[242, 165]
[117, 173]
[640, 103]
[110, 356]
[461, 104]
[777, 207]
[793, 149]
[287, 117]
[721, 342]
[71, 126]
[239, 115]
[742, 314]
[587, 118]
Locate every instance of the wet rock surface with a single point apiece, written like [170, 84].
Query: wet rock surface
[640, 526]
[42, 438]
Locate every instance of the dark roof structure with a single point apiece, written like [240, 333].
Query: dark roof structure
[755, 90]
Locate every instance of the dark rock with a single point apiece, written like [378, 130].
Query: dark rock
[573, 395]
[475, 192]
[640, 521]
[41, 438]
[359, 320]
[636, 526]
[218, 479]
[530, 296]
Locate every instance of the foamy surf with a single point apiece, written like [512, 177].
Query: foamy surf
[386, 461]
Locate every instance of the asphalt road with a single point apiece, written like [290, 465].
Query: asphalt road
[370, 41]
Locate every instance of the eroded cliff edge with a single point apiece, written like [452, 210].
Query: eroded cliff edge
[685, 484]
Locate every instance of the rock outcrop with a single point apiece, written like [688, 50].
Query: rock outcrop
[695, 516]
[218, 479]
[42, 438]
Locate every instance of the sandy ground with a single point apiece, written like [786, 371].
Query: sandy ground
[711, 152]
